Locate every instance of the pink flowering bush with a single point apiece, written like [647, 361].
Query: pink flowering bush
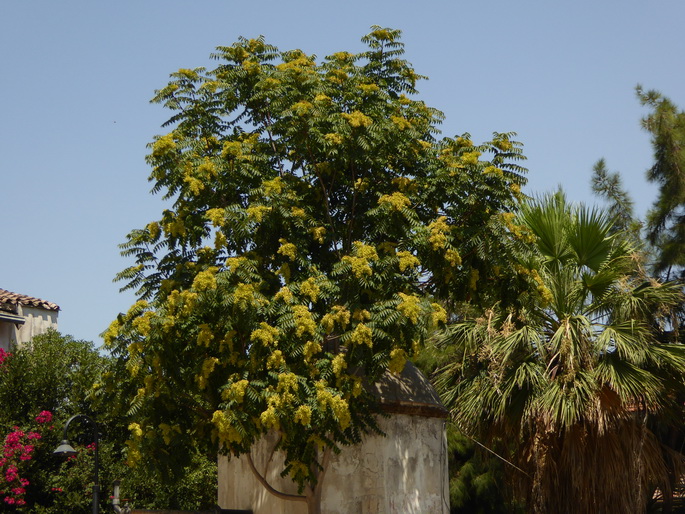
[18, 448]
[4, 356]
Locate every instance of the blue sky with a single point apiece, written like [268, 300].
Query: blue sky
[78, 76]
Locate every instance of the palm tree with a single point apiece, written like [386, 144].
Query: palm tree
[567, 382]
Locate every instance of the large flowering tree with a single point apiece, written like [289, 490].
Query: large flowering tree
[315, 223]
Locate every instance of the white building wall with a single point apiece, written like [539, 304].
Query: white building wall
[402, 473]
[36, 321]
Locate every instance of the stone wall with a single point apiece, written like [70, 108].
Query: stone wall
[404, 472]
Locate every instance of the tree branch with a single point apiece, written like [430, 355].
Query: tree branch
[268, 487]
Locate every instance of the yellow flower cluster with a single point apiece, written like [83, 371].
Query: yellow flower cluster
[404, 183]
[396, 201]
[310, 288]
[301, 108]
[233, 263]
[333, 138]
[339, 315]
[337, 76]
[410, 307]
[205, 335]
[270, 83]
[226, 431]
[439, 314]
[407, 260]
[357, 119]
[219, 240]
[207, 169]
[163, 146]
[304, 323]
[273, 187]
[453, 257]
[401, 122]
[494, 170]
[542, 289]
[257, 212]
[361, 184]
[438, 229]
[275, 360]
[134, 349]
[519, 231]
[216, 216]
[287, 382]
[470, 157]
[194, 184]
[318, 233]
[187, 73]
[207, 368]
[362, 335]
[303, 415]
[361, 315]
[365, 251]
[236, 391]
[153, 229]
[285, 294]
[297, 212]
[287, 249]
[503, 144]
[243, 296]
[185, 299]
[338, 364]
[266, 334]
[296, 64]
[205, 280]
[175, 228]
[322, 98]
[168, 431]
[232, 149]
[360, 266]
[398, 359]
[142, 323]
[135, 430]
[336, 403]
[310, 349]
[368, 88]
[269, 418]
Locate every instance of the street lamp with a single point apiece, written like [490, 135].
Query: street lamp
[66, 450]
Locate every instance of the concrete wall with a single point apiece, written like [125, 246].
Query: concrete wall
[36, 321]
[404, 473]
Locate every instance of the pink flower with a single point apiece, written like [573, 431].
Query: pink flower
[44, 417]
[4, 356]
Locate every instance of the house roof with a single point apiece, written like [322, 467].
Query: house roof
[8, 297]
[410, 392]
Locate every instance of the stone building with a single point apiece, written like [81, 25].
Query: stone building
[404, 472]
[22, 317]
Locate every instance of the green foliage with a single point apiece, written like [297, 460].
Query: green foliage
[477, 484]
[569, 379]
[54, 373]
[666, 219]
[64, 376]
[316, 221]
[609, 186]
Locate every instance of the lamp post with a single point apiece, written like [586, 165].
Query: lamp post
[66, 450]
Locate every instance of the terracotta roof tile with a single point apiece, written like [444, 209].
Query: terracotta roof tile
[15, 298]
